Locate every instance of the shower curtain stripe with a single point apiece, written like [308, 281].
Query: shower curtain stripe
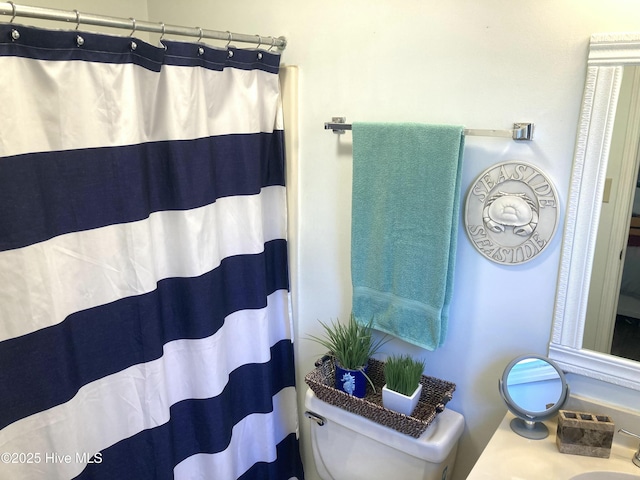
[167, 119]
[164, 443]
[166, 314]
[119, 392]
[61, 268]
[121, 389]
[145, 330]
[44, 44]
[182, 164]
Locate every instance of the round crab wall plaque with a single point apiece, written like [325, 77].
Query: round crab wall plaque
[511, 212]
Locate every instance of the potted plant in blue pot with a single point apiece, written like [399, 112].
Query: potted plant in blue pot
[351, 345]
[402, 389]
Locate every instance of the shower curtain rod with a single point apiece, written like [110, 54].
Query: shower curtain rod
[14, 10]
[520, 131]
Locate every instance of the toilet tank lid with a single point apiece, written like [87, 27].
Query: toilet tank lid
[434, 445]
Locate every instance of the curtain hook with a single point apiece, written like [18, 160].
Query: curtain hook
[259, 41]
[273, 43]
[13, 9]
[77, 19]
[200, 37]
[133, 20]
[229, 38]
[162, 36]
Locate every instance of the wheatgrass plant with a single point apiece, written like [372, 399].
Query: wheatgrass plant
[351, 344]
[402, 374]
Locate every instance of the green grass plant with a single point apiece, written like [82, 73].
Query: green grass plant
[351, 344]
[402, 374]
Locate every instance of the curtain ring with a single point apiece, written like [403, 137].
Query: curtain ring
[259, 41]
[133, 20]
[200, 37]
[273, 43]
[77, 18]
[13, 9]
[229, 38]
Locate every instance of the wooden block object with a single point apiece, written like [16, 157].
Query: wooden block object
[586, 434]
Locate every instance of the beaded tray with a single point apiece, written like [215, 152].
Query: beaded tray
[435, 395]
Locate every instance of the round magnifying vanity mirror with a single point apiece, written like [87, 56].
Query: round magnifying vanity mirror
[534, 389]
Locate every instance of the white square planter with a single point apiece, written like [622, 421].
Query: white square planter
[400, 403]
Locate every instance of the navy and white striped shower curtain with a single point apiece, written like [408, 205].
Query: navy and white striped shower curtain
[144, 322]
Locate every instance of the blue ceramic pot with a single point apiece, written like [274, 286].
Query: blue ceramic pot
[353, 382]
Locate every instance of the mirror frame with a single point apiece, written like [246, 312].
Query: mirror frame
[528, 423]
[523, 413]
[609, 53]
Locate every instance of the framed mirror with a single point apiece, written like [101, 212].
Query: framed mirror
[534, 389]
[612, 57]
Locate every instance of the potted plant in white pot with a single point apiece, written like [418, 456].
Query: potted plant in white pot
[402, 389]
[351, 345]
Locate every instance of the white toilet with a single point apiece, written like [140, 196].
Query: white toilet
[350, 447]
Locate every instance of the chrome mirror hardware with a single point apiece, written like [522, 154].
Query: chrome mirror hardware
[636, 456]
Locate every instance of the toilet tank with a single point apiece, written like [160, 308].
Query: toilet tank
[351, 447]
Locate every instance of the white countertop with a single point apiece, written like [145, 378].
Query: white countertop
[508, 456]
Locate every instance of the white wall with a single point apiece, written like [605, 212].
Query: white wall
[482, 64]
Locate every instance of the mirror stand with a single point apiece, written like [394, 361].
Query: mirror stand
[529, 429]
[534, 389]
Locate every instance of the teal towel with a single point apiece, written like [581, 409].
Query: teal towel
[406, 201]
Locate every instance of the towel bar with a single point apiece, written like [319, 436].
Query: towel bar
[520, 131]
